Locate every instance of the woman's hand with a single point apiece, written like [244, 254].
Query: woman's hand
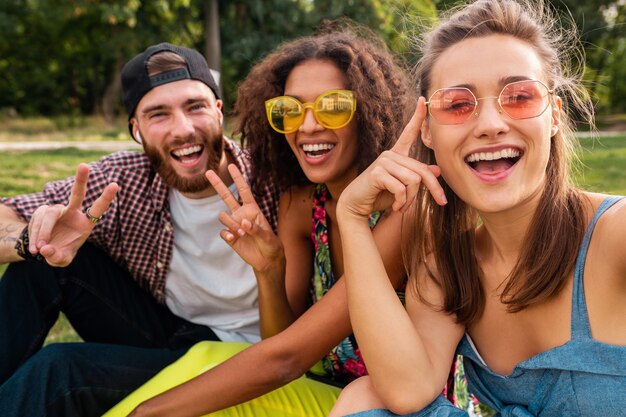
[249, 233]
[393, 179]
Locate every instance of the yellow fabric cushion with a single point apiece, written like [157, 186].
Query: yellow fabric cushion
[300, 398]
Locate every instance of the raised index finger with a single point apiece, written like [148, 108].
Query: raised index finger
[80, 187]
[411, 130]
[222, 190]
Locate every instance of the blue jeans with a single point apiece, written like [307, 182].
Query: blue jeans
[128, 337]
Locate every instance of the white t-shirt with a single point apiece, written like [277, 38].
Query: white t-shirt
[208, 283]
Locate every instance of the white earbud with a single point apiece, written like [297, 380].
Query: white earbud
[138, 137]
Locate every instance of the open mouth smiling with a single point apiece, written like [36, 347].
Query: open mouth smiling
[186, 154]
[317, 150]
[493, 162]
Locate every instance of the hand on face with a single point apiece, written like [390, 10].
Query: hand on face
[249, 233]
[393, 179]
[57, 232]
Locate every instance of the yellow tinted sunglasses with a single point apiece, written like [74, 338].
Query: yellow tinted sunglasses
[333, 109]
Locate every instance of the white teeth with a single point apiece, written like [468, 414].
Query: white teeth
[187, 151]
[492, 156]
[313, 147]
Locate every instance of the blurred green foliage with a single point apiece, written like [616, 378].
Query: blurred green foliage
[65, 56]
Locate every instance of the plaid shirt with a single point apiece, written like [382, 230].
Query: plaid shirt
[136, 231]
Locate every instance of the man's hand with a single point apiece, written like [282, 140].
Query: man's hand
[57, 232]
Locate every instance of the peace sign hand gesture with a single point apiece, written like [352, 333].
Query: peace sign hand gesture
[249, 233]
[393, 179]
[57, 232]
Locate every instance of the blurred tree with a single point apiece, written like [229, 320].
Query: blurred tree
[250, 29]
[212, 38]
[607, 59]
[65, 56]
[394, 20]
[601, 25]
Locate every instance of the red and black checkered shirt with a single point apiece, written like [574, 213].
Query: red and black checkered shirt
[136, 231]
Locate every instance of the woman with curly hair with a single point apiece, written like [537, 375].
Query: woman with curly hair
[312, 115]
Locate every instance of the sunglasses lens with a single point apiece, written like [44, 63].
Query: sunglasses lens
[334, 109]
[451, 106]
[284, 114]
[524, 99]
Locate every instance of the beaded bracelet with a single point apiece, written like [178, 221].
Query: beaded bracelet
[21, 246]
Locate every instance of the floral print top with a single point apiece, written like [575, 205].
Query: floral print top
[344, 362]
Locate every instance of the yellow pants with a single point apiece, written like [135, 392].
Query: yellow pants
[300, 398]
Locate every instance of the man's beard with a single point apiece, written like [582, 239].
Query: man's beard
[159, 158]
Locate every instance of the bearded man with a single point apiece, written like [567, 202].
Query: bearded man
[129, 250]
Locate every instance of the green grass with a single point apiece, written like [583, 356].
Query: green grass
[604, 165]
[604, 170]
[27, 171]
[62, 128]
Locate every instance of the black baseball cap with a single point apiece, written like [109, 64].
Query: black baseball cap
[136, 82]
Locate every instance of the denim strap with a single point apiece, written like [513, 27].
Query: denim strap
[580, 317]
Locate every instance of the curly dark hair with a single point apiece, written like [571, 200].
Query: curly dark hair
[379, 82]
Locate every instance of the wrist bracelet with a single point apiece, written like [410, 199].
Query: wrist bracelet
[21, 246]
